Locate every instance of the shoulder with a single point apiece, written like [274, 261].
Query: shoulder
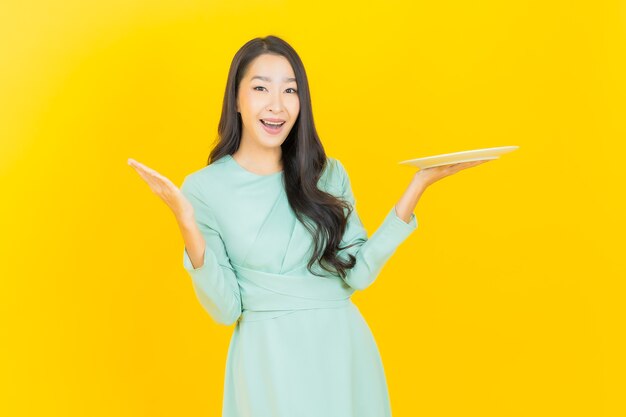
[206, 180]
[334, 176]
[338, 171]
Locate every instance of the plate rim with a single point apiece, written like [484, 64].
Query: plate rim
[426, 158]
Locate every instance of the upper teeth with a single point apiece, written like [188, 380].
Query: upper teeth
[273, 123]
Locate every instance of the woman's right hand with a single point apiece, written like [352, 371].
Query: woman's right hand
[165, 189]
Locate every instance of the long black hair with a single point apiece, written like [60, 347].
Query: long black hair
[303, 157]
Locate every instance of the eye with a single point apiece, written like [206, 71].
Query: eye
[260, 86]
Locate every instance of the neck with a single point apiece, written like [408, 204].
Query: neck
[259, 160]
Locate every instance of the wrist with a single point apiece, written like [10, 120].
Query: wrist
[186, 220]
[419, 181]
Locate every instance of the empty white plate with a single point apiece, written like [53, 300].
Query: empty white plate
[457, 157]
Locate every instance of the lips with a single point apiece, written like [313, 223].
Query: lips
[272, 130]
[272, 122]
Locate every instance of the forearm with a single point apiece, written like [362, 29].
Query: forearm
[373, 253]
[408, 201]
[194, 241]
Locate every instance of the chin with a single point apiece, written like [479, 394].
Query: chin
[269, 142]
[266, 139]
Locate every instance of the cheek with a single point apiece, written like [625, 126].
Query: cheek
[247, 101]
[295, 108]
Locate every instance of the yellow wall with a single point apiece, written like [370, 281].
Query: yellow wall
[507, 300]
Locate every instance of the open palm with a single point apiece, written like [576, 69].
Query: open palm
[165, 189]
[433, 174]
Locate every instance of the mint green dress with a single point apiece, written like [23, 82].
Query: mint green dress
[300, 346]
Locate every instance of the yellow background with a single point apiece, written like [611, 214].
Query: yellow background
[506, 301]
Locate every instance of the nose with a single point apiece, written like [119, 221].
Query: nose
[275, 103]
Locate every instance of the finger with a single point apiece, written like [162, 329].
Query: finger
[139, 165]
[157, 182]
[152, 177]
[148, 171]
[473, 164]
[136, 164]
[154, 173]
[454, 168]
[482, 161]
[147, 178]
[142, 172]
[159, 179]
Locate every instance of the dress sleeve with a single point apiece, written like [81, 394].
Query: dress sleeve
[214, 282]
[371, 253]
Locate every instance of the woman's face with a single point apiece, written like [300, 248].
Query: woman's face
[268, 92]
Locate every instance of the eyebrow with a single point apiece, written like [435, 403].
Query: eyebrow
[268, 79]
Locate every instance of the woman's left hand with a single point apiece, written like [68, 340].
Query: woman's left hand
[422, 179]
[428, 176]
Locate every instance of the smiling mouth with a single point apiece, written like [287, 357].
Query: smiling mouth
[272, 124]
[272, 128]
